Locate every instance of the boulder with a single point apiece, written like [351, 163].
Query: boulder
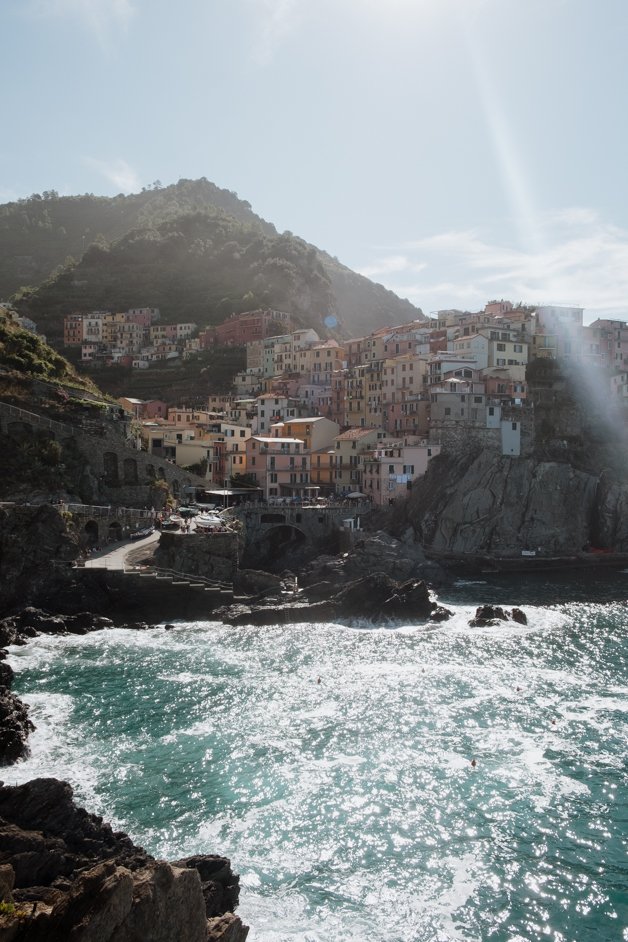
[490, 615]
[15, 727]
[373, 596]
[72, 877]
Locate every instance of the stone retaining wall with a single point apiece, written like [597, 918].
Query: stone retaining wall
[114, 472]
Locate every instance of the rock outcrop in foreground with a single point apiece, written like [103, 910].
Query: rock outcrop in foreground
[64, 875]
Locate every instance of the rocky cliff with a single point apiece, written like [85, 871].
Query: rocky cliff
[66, 875]
[36, 554]
[567, 493]
[498, 506]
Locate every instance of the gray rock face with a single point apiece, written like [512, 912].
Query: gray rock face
[70, 877]
[494, 505]
[36, 553]
[374, 553]
[212, 556]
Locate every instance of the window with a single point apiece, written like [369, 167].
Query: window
[491, 410]
[514, 426]
[501, 346]
[391, 469]
[273, 478]
[447, 411]
[477, 399]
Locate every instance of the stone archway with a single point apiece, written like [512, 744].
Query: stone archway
[272, 518]
[110, 467]
[91, 532]
[114, 533]
[130, 471]
[274, 547]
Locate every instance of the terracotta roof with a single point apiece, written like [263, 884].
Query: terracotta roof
[354, 433]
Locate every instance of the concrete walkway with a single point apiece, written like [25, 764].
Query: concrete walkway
[128, 553]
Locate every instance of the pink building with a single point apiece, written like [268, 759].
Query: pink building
[279, 466]
[144, 408]
[410, 417]
[390, 469]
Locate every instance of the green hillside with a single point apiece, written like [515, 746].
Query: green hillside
[199, 267]
[26, 359]
[195, 251]
[41, 233]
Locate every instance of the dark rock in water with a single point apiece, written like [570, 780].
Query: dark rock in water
[30, 621]
[77, 879]
[373, 596]
[489, 615]
[6, 674]
[15, 727]
[378, 595]
[220, 891]
[41, 621]
[441, 614]
[87, 621]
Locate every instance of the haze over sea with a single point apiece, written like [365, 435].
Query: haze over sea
[350, 807]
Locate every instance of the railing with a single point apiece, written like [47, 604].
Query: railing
[91, 510]
[34, 419]
[184, 576]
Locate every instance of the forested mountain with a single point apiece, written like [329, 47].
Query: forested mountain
[195, 251]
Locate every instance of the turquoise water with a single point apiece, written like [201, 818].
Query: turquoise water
[350, 807]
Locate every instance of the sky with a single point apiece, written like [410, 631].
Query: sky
[456, 151]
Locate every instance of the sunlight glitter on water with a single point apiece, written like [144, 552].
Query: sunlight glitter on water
[350, 806]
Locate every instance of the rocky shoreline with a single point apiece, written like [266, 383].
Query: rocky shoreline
[64, 874]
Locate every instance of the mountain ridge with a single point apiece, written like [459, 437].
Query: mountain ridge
[51, 246]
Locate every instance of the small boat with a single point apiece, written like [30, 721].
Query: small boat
[209, 523]
[171, 523]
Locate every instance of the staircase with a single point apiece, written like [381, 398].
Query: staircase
[220, 591]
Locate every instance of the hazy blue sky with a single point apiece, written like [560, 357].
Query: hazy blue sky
[454, 150]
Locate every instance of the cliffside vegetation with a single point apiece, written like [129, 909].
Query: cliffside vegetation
[31, 371]
[180, 381]
[195, 251]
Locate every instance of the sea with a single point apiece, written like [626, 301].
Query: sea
[391, 782]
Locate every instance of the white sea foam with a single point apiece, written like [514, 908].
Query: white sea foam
[350, 807]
